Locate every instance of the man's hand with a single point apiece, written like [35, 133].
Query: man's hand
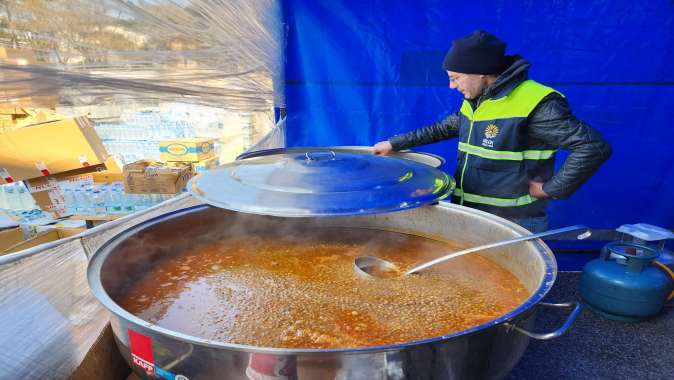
[382, 148]
[536, 189]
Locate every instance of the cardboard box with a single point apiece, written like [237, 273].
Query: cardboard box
[202, 166]
[112, 172]
[77, 179]
[48, 191]
[152, 177]
[14, 111]
[24, 117]
[53, 147]
[189, 150]
[44, 237]
[10, 237]
[199, 166]
[103, 361]
[48, 195]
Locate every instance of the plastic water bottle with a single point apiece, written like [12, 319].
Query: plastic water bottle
[10, 195]
[28, 198]
[4, 202]
[20, 193]
[71, 201]
[86, 207]
[115, 204]
[128, 205]
[98, 202]
[152, 199]
[104, 192]
[139, 202]
[125, 202]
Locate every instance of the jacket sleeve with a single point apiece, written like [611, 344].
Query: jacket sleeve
[553, 123]
[442, 130]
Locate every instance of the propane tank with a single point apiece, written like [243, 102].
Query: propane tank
[625, 284]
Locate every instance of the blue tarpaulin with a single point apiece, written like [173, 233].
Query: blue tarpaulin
[358, 72]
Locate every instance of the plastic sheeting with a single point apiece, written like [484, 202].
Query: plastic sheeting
[110, 54]
[220, 53]
[359, 72]
[49, 319]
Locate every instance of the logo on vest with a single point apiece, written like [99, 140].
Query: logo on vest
[490, 132]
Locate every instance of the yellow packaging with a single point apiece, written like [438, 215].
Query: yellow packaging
[190, 149]
[152, 177]
[48, 148]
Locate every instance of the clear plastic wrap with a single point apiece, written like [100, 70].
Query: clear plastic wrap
[107, 57]
[49, 319]
[226, 54]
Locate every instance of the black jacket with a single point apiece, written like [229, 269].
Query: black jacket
[551, 122]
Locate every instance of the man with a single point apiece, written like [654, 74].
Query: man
[509, 128]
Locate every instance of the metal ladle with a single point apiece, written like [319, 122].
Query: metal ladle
[370, 266]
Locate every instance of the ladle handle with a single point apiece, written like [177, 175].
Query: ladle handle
[586, 233]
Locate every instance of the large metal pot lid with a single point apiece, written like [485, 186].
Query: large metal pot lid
[305, 183]
[422, 157]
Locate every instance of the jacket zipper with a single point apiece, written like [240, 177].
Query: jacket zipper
[470, 131]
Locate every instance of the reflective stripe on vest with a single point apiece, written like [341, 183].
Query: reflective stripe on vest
[492, 201]
[506, 154]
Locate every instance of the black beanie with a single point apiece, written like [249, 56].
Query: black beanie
[478, 53]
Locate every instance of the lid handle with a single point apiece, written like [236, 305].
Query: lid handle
[320, 156]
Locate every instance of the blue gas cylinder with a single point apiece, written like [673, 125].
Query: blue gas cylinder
[623, 284]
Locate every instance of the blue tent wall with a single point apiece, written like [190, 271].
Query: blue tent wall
[358, 72]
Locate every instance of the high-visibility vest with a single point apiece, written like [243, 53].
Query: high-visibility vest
[497, 158]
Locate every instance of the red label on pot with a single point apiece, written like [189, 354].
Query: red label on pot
[141, 351]
[271, 367]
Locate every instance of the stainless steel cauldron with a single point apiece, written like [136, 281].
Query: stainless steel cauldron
[487, 351]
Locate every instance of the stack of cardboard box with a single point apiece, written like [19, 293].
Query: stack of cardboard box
[199, 153]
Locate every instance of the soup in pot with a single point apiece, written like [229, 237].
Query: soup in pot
[299, 290]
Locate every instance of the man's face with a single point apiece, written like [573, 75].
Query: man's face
[470, 85]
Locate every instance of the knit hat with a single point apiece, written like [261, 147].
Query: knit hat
[478, 53]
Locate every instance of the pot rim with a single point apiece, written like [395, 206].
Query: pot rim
[97, 259]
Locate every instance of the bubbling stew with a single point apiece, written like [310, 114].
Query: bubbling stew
[299, 290]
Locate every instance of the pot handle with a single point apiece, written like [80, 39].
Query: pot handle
[577, 307]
